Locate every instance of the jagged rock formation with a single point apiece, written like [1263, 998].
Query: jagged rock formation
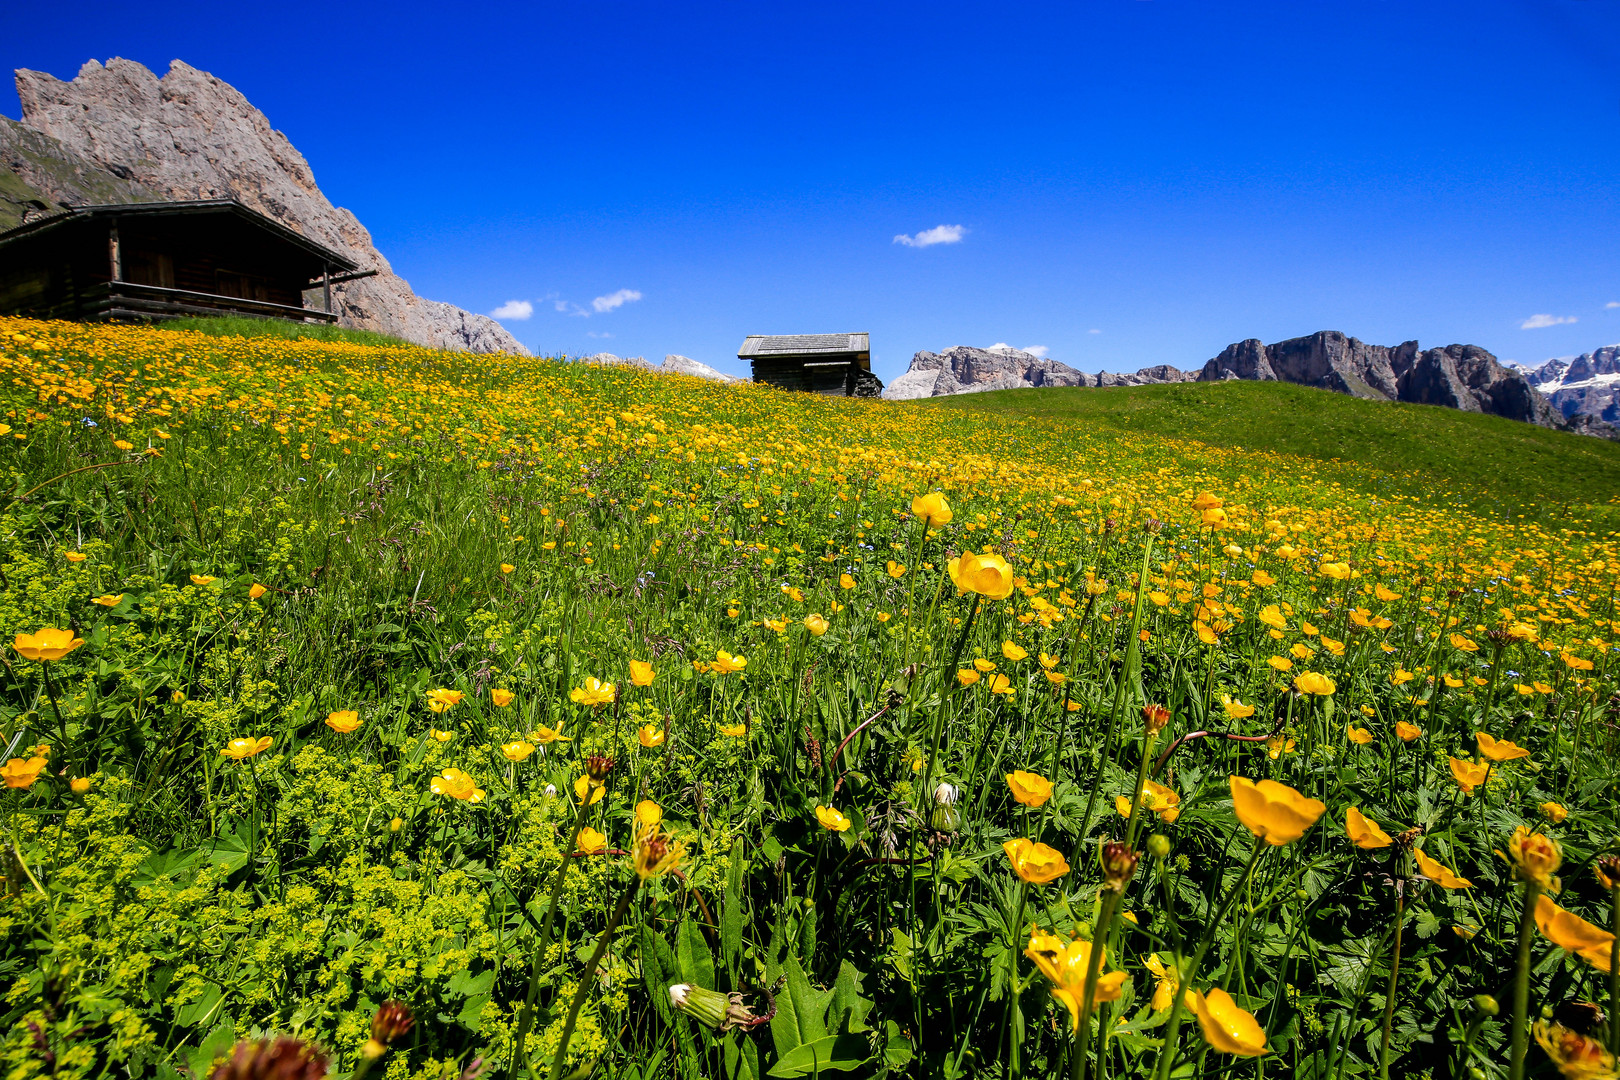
[963, 369]
[1462, 377]
[1585, 390]
[118, 133]
[674, 364]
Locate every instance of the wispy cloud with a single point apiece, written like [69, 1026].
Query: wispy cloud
[513, 309]
[939, 234]
[1536, 322]
[1037, 350]
[615, 300]
[594, 334]
[1094, 330]
[1612, 304]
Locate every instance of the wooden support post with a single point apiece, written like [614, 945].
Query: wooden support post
[115, 254]
[326, 285]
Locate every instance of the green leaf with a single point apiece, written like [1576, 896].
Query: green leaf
[801, 1011]
[658, 969]
[848, 1009]
[214, 1046]
[692, 956]
[731, 916]
[831, 1053]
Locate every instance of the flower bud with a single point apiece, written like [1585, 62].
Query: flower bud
[1118, 864]
[598, 766]
[719, 1011]
[1486, 1004]
[1155, 717]
[1608, 874]
[551, 791]
[945, 818]
[80, 784]
[1158, 845]
[946, 794]
[285, 1058]
[392, 1022]
[396, 825]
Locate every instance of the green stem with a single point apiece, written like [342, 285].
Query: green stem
[526, 1020]
[1521, 981]
[1099, 936]
[1173, 1024]
[1394, 971]
[589, 978]
[1013, 1065]
[947, 673]
[1614, 969]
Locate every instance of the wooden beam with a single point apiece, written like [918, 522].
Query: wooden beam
[115, 253]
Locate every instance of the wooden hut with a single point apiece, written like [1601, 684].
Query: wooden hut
[839, 365]
[165, 260]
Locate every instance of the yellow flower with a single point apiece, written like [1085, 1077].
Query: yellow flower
[1029, 788]
[1000, 684]
[546, 736]
[932, 508]
[201, 579]
[1363, 832]
[256, 590]
[725, 663]
[1554, 812]
[343, 721]
[1205, 500]
[1360, 736]
[1156, 798]
[507, 568]
[1338, 571]
[1235, 709]
[501, 698]
[641, 673]
[1384, 594]
[1277, 746]
[1262, 579]
[1274, 812]
[1468, 775]
[1164, 981]
[517, 751]
[1575, 1055]
[1281, 663]
[442, 700]
[595, 692]
[735, 731]
[47, 644]
[650, 735]
[1159, 598]
[1035, 863]
[1438, 873]
[238, 749]
[845, 581]
[585, 785]
[440, 736]
[655, 853]
[1576, 663]
[1272, 615]
[109, 600]
[1227, 1027]
[591, 842]
[1065, 964]
[457, 785]
[1499, 749]
[1569, 931]
[1013, 652]
[1407, 732]
[984, 665]
[79, 784]
[831, 819]
[987, 575]
[816, 625]
[896, 570]
[1520, 631]
[1463, 644]
[967, 676]
[649, 815]
[75, 556]
[1313, 682]
[18, 773]
[1537, 857]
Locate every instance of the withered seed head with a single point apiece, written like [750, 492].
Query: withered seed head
[285, 1058]
[1118, 863]
[598, 766]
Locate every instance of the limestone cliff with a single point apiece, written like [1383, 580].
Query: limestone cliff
[963, 369]
[118, 133]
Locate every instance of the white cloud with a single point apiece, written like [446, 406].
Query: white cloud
[594, 334]
[939, 234]
[513, 309]
[560, 305]
[1093, 330]
[1536, 322]
[1612, 304]
[614, 300]
[1037, 350]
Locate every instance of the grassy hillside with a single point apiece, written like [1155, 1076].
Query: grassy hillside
[1424, 450]
[238, 326]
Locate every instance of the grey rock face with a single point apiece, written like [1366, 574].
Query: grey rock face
[189, 135]
[1458, 376]
[963, 369]
[1585, 390]
[674, 364]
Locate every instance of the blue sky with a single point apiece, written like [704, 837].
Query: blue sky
[1128, 182]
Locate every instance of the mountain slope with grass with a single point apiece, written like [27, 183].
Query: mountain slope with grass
[1421, 450]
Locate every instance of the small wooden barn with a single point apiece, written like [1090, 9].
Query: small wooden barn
[839, 365]
[165, 260]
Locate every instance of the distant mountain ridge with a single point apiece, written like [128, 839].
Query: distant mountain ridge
[964, 369]
[1581, 387]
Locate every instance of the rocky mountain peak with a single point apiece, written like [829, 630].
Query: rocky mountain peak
[964, 369]
[119, 133]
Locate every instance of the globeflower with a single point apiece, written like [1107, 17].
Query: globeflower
[641, 673]
[241, 749]
[1274, 812]
[932, 508]
[1035, 863]
[831, 819]
[501, 698]
[457, 785]
[1499, 749]
[1363, 832]
[1013, 652]
[816, 625]
[1407, 732]
[343, 721]
[650, 736]
[1467, 774]
[1360, 736]
[442, 700]
[517, 751]
[1536, 858]
[18, 773]
[47, 644]
[1554, 812]
[595, 692]
[987, 575]
[1227, 1027]
[1029, 788]
[1313, 682]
